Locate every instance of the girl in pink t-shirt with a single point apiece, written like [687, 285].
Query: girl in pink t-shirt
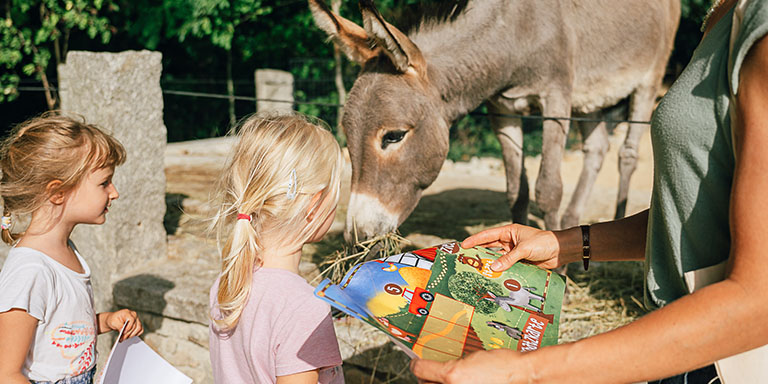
[278, 192]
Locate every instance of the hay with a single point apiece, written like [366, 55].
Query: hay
[337, 264]
[606, 297]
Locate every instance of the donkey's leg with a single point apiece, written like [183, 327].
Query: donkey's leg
[509, 131]
[640, 109]
[595, 136]
[549, 185]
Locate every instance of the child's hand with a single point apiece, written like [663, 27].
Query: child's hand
[113, 321]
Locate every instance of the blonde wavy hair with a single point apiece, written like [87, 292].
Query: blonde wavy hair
[47, 148]
[258, 182]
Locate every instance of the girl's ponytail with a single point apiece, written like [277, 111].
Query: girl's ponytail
[239, 258]
[278, 166]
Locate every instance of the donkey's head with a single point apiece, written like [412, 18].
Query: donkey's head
[396, 133]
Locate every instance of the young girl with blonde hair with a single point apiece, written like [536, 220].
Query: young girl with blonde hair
[279, 192]
[58, 170]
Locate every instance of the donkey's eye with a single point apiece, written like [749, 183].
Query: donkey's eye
[392, 137]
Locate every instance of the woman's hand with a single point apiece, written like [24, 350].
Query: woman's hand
[487, 367]
[113, 321]
[539, 247]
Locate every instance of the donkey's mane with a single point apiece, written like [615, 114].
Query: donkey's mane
[411, 17]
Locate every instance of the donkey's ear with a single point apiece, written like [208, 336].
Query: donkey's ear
[350, 37]
[405, 55]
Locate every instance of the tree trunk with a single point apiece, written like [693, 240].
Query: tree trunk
[230, 90]
[339, 79]
[50, 95]
[60, 47]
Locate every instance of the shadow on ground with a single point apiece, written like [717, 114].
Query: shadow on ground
[173, 212]
[448, 214]
[381, 365]
[143, 293]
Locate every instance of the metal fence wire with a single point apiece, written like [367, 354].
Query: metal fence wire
[197, 108]
[300, 101]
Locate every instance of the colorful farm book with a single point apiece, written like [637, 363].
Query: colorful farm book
[444, 302]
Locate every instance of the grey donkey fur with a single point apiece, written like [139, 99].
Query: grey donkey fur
[551, 56]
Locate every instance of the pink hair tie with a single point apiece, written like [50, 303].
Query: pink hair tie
[243, 216]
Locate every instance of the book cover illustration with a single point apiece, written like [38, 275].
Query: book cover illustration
[444, 302]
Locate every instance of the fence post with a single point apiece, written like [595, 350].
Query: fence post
[273, 84]
[120, 92]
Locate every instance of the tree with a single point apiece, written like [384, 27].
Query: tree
[34, 31]
[219, 20]
[338, 79]
[470, 287]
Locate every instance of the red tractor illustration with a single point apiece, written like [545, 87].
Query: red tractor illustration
[417, 299]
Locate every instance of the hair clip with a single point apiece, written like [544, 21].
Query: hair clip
[292, 185]
[6, 222]
[243, 216]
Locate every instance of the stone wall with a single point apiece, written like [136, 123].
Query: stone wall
[120, 92]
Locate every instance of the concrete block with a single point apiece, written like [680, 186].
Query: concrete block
[274, 90]
[120, 92]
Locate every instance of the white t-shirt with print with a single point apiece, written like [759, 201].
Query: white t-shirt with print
[61, 299]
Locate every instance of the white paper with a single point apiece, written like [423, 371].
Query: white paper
[134, 362]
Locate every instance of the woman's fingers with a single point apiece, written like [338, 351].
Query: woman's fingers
[507, 260]
[498, 235]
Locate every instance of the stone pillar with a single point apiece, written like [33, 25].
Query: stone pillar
[273, 84]
[120, 92]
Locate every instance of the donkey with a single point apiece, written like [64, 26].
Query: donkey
[547, 56]
[520, 298]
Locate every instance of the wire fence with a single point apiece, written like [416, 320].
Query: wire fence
[337, 105]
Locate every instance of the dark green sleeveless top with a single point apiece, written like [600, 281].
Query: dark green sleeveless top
[688, 227]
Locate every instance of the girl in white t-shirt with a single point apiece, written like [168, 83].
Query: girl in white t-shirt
[58, 170]
[279, 192]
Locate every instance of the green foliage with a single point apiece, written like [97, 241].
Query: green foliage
[689, 32]
[11, 54]
[193, 36]
[34, 31]
[217, 20]
[472, 136]
[469, 287]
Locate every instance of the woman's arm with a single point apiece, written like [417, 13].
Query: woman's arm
[610, 241]
[17, 328]
[717, 321]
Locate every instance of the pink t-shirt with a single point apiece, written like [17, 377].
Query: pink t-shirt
[284, 329]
